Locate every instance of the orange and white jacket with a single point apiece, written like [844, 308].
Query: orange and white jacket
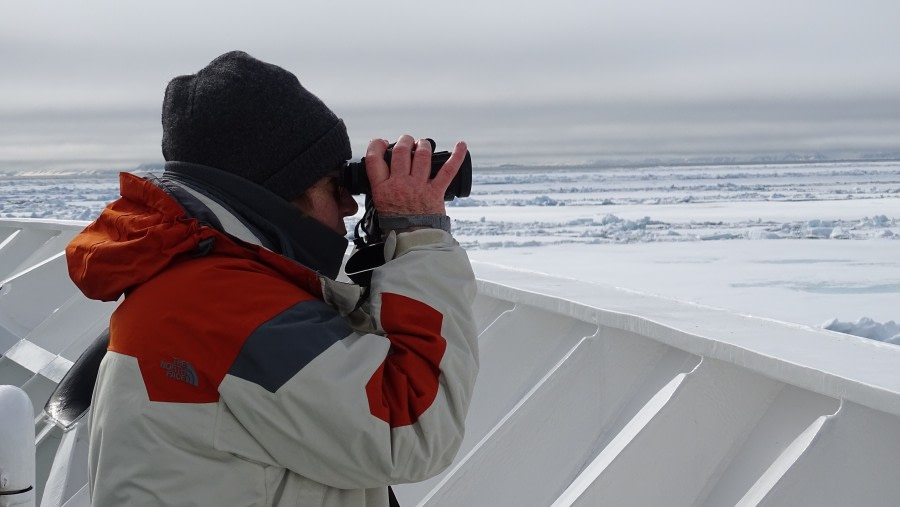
[236, 376]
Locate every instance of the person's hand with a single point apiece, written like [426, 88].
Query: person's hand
[405, 188]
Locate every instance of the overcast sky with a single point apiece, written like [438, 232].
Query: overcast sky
[558, 81]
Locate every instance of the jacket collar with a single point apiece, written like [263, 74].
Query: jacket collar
[277, 224]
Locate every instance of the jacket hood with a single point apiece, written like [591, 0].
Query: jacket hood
[145, 231]
[133, 239]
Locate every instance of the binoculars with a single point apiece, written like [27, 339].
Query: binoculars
[367, 233]
[357, 182]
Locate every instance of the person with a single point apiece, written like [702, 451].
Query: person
[239, 371]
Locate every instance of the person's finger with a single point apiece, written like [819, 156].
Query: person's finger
[448, 171]
[401, 155]
[421, 163]
[376, 168]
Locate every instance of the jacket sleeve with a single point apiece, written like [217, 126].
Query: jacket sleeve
[354, 409]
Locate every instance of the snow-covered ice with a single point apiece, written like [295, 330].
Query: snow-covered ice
[887, 332]
[816, 244]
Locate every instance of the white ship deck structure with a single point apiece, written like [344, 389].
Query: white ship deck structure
[587, 395]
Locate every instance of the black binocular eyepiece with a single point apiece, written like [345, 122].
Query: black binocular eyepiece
[356, 180]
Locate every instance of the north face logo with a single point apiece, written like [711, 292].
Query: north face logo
[180, 370]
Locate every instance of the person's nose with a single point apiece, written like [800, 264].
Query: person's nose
[349, 206]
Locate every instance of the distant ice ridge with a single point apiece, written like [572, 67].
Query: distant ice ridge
[613, 229]
[865, 327]
[73, 195]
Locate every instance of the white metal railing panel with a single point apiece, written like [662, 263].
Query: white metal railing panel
[26, 243]
[68, 330]
[853, 460]
[515, 353]
[487, 310]
[67, 475]
[568, 418]
[688, 442]
[32, 295]
[788, 417]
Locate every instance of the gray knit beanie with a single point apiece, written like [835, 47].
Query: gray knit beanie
[255, 120]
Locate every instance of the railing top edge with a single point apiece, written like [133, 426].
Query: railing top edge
[826, 362]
